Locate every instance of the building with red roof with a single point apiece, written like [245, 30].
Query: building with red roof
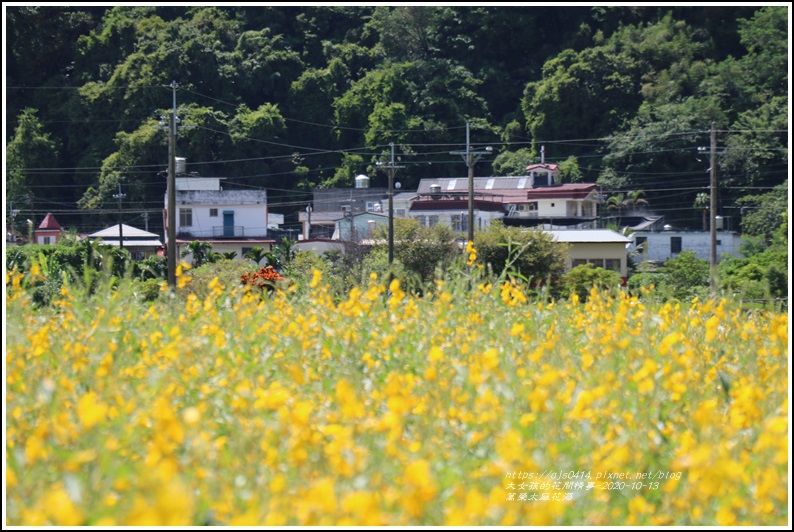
[49, 231]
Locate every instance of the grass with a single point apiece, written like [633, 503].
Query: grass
[387, 409]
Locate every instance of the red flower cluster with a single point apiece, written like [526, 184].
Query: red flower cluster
[264, 278]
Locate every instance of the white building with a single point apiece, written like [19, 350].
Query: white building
[141, 244]
[527, 201]
[663, 245]
[603, 248]
[230, 220]
[454, 212]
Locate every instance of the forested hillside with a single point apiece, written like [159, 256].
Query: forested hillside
[291, 98]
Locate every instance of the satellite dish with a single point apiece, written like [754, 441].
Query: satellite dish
[397, 185]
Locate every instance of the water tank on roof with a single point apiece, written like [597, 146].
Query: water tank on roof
[181, 165]
[435, 189]
[362, 181]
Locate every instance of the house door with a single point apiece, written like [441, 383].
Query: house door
[228, 223]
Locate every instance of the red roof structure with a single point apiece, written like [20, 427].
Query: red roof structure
[50, 223]
[566, 190]
[543, 166]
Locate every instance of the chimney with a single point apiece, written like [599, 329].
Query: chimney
[542, 154]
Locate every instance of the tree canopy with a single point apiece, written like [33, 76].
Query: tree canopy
[294, 97]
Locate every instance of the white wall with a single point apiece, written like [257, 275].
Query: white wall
[659, 244]
[553, 207]
[253, 219]
[597, 251]
[482, 219]
[223, 247]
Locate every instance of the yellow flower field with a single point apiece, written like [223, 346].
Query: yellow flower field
[459, 408]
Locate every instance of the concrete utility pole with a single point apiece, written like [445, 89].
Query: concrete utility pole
[471, 158]
[713, 209]
[171, 218]
[391, 167]
[173, 120]
[120, 197]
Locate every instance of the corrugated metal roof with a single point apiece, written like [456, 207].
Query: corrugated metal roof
[589, 235]
[128, 230]
[134, 243]
[461, 184]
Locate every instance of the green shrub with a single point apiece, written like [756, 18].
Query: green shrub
[581, 279]
[228, 273]
[532, 254]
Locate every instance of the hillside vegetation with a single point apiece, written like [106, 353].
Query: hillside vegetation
[292, 98]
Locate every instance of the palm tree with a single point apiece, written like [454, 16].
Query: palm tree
[201, 251]
[634, 198]
[702, 202]
[256, 254]
[616, 203]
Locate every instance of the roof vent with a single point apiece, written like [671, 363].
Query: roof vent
[435, 189]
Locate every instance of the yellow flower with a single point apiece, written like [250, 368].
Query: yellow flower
[317, 275]
[90, 410]
[61, 509]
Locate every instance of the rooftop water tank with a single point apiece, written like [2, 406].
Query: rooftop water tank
[181, 166]
[435, 189]
[362, 181]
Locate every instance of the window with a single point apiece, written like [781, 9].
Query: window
[578, 262]
[432, 220]
[213, 213]
[675, 244]
[612, 264]
[460, 222]
[640, 240]
[47, 240]
[185, 217]
[533, 206]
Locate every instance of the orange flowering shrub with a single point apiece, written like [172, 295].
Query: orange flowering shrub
[264, 278]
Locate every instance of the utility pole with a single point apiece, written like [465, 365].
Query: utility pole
[173, 120]
[713, 209]
[120, 197]
[471, 158]
[391, 167]
[171, 218]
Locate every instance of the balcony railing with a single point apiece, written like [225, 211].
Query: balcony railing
[219, 231]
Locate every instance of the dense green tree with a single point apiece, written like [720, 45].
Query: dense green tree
[582, 95]
[419, 250]
[532, 254]
[139, 157]
[31, 160]
[763, 213]
[510, 162]
[581, 279]
[644, 83]
[687, 275]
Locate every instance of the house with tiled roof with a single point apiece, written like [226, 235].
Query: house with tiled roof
[531, 200]
[49, 231]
